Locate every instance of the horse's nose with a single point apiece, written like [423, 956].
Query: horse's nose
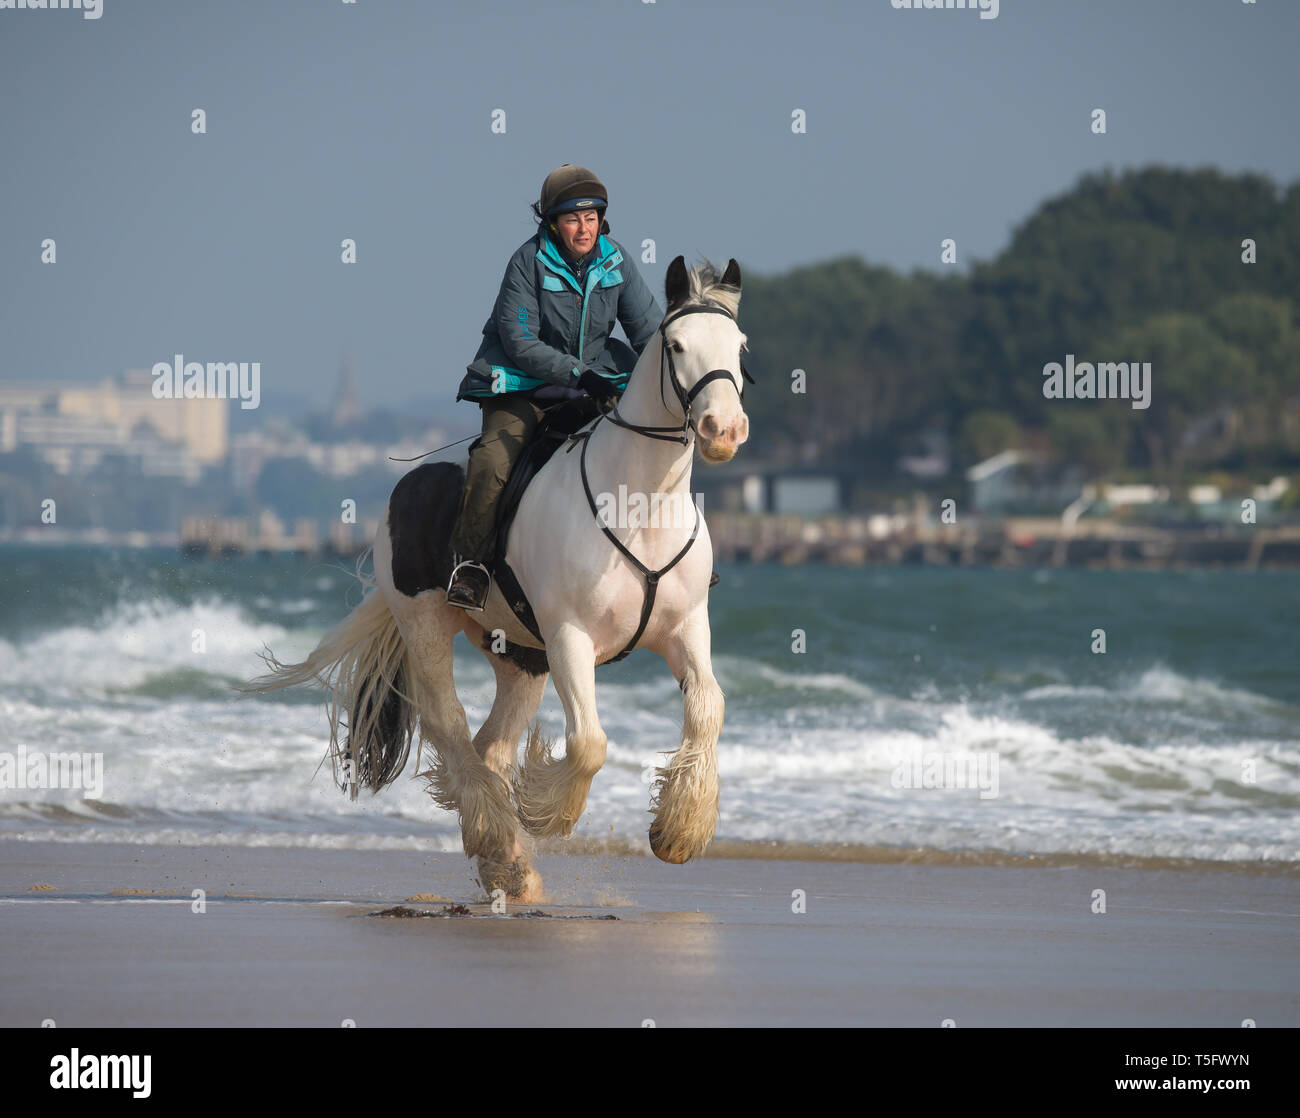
[710, 427]
[732, 432]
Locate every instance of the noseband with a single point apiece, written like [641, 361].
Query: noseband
[668, 375]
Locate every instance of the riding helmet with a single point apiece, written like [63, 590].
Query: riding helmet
[570, 188]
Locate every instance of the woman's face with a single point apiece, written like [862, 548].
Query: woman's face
[578, 230]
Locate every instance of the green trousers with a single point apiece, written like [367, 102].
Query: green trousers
[509, 422]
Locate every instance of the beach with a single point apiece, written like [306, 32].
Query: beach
[981, 820]
[107, 935]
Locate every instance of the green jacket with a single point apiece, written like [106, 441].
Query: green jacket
[546, 329]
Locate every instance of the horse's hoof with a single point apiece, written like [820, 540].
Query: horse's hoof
[530, 889]
[665, 851]
[517, 880]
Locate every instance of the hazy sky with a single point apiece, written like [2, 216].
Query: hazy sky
[373, 120]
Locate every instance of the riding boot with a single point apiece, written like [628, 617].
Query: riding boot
[469, 586]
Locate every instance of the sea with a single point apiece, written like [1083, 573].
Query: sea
[905, 713]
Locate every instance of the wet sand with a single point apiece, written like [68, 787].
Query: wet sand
[287, 940]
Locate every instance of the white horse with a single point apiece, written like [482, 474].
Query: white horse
[389, 664]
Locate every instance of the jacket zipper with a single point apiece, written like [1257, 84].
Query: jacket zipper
[589, 286]
[582, 320]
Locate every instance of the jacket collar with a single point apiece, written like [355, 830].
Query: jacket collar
[550, 255]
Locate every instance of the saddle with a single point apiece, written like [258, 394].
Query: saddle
[557, 425]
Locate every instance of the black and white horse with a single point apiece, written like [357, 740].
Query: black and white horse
[599, 582]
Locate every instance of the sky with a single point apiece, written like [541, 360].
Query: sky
[373, 121]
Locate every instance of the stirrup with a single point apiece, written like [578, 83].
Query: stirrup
[469, 586]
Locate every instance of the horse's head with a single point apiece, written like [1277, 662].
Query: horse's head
[702, 346]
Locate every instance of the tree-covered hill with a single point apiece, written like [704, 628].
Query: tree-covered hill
[1143, 266]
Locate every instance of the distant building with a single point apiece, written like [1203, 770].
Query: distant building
[1126, 496]
[71, 444]
[1020, 482]
[751, 486]
[347, 404]
[929, 457]
[253, 450]
[81, 423]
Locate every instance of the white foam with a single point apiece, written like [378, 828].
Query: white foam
[811, 762]
[133, 643]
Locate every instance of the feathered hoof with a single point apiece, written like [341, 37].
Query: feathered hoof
[486, 826]
[482, 833]
[544, 824]
[544, 791]
[518, 880]
[481, 799]
[673, 852]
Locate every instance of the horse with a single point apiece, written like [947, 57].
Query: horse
[598, 587]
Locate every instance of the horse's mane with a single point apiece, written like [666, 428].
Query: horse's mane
[707, 287]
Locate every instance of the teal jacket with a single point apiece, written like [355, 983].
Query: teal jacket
[545, 328]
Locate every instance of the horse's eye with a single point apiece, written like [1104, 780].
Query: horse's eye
[675, 346]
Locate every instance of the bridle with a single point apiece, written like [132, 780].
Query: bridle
[668, 376]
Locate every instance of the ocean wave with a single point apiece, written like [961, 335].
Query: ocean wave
[1160, 684]
[132, 644]
[1163, 763]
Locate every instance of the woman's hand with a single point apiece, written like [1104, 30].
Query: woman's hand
[598, 387]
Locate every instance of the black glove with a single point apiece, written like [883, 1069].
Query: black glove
[598, 387]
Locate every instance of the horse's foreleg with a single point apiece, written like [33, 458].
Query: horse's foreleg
[551, 793]
[685, 797]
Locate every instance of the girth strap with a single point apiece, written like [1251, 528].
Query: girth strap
[651, 577]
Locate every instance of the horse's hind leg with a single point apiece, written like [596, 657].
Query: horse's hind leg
[685, 797]
[458, 778]
[521, 682]
[552, 794]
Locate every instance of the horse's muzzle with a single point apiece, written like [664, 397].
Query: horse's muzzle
[719, 439]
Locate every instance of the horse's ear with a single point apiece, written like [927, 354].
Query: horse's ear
[677, 284]
[731, 277]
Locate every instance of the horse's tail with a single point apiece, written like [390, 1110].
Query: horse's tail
[362, 664]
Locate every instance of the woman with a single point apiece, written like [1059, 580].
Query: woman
[548, 339]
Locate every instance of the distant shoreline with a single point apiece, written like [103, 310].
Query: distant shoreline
[837, 540]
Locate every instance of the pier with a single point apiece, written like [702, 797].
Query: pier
[857, 541]
[204, 537]
[1009, 542]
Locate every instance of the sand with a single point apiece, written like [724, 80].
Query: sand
[286, 940]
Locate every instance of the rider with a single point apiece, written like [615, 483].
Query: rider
[547, 339]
